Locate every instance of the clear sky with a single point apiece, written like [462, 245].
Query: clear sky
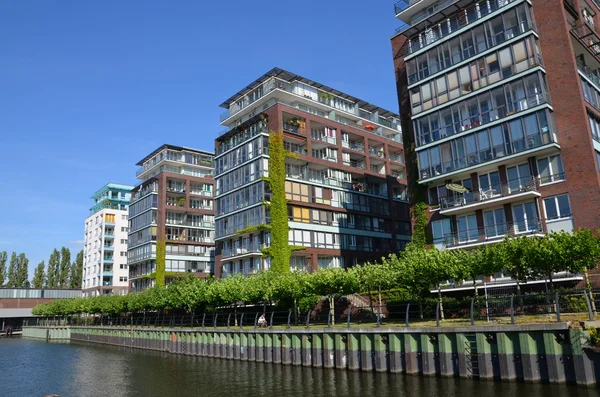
[88, 88]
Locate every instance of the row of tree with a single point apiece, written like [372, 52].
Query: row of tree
[414, 272]
[60, 272]
[16, 273]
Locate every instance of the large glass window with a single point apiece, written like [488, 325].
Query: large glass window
[440, 229]
[551, 169]
[557, 207]
[484, 108]
[492, 143]
[495, 224]
[467, 228]
[525, 217]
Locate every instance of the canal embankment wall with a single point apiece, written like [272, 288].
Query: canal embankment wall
[553, 352]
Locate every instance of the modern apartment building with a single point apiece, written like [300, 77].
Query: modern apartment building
[105, 242]
[173, 204]
[501, 100]
[346, 180]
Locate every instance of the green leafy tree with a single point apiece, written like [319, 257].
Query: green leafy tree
[333, 282]
[12, 271]
[22, 271]
[3, 259]
[53, 265]
[76, 273]
[513, 253]
[376, 277]
[39, 275]
[65, 266]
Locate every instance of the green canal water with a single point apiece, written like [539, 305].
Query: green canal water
[30, 368]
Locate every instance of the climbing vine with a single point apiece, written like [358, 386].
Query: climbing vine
[279, 251]
[161, 255]
[419, 215]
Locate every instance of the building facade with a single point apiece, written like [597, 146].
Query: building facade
[501, 101]
[173, 204]
[105, 243]
[345, 185]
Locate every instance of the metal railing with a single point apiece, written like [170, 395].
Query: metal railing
[509, 188]
[492, 232]
[557, 305]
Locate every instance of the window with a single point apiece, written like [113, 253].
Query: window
[110, 218]
[124, 229]
[440, 229]
[557, 207]
[525, 217]
[123, 241]
[123, 253]
[123, 217]
[495, 224]
[595, 127]
[551, 169]
[467, 228]
[598, 160]
[123, 279]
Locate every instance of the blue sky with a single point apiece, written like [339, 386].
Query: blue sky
[88, 88]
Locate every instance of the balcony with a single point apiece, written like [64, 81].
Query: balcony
[356, 164]
[107, 283]
[521, 189]
[428, 21]
[108, 260]
[358, 147]
[377, 152]
[396, 158]
[323, 137]
[244, 250]
[588, 38]
[294, 128]
[295, 148]
[179, 222]
[109, 248]
[492, 233]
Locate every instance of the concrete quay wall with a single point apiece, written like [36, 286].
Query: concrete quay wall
[552, 353]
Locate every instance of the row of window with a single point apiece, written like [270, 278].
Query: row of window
[143, 220]
[242, 154]
[251, 217]
[186, 234]
[518, 96]
[351, 242]
[181, 218]
[241, 198]
[353, 221]
[490, 69]
[550, 169]
[242, 175]
[475, 41]
[524, 219]
[515, 136]
[142, 236]
[142, 205]
[195, 250]
[172, 265]
[590, 93]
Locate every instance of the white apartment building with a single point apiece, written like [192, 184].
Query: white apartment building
[105, 269]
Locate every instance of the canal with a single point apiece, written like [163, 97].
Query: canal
[30, 368]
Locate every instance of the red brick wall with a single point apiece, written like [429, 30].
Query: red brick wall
[574, 135]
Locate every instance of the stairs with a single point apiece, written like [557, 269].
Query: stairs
[471, 356]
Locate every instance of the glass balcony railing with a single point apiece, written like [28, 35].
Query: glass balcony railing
[396, 158]
[453, 23]
[510, 188]
[242, 250]
[494, 232]
[355, 164]
[359, 147]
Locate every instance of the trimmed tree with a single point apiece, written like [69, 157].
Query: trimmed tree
[53, 264]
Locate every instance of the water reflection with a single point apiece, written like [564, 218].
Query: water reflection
[34, 368]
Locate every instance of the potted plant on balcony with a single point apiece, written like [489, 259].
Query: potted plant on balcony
[181, 201]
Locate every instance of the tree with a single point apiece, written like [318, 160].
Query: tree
[12, 271]
[65, 264]
[39, 275]
[3, 259]
[53, 264]
[376, 277]
[482, 261]
[22, 271]
[76, 274]
[512, 252]
[331, 282]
